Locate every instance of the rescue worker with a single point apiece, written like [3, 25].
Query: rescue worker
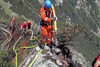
[47, 25]
[23, 27]
[29, 25]
[96, 61]
[12, 25]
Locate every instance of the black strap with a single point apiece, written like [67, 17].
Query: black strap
[29, 24]
[42, 21]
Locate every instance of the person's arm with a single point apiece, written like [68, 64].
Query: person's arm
[97, 63]
[21, 27]
[26, 26]
[43, 16]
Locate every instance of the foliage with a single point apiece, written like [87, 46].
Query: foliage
[85, 42]
[5, 59]
[3, 16]
[28, 8]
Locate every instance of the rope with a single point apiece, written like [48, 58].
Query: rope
[9, 34]
[5, 31]
[36, 57]
[26, 47]
[55, 23]
[15, 50]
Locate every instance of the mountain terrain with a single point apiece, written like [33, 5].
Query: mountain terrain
[78, 33]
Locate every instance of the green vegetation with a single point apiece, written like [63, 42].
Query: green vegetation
[28, 8]
[86, 42]
[3, 16]
[83, 41]
[88, 46]
[5, 59]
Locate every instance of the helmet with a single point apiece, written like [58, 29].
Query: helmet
[24, 22]
[13, 18]
[28, 21]
[47, 4]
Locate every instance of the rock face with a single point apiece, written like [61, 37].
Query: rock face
[45, 59]
[6, 7]
[41, 2]
[79, 59]
[58, 2]
[80, 12]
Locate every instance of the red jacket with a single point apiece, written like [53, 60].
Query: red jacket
[23, 25]
[12, 22]
[28, 24]
[98, 58]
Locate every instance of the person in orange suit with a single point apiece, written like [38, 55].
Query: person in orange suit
[12, 25]
[47, 25]
[23, 27]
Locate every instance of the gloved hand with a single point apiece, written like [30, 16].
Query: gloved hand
[54, 18]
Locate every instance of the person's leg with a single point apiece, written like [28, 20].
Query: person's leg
[49, 37]
[24, 30]
[49, 29]
[10, 29]
[13, 29]
[44, 34]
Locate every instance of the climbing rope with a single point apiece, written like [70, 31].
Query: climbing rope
[15, 50]
[5, 31]
[54, 14]
[9, 38]
[36, 57]
[55, 28]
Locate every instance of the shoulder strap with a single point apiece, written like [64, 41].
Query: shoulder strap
[46, 11]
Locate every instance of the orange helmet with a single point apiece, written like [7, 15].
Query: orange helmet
[13, 18]
[28, 21]
[24, 22]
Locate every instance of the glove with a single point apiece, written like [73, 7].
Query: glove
[54, 18]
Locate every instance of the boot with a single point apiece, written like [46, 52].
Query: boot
[50, 45]
[23, 35]
[42, 46]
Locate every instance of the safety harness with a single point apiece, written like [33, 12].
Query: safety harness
[44, 23]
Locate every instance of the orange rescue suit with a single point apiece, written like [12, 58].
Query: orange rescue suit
[47, 25]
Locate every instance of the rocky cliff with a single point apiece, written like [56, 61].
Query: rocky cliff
[78, 23]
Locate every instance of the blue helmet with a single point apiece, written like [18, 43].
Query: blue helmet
[47, 4]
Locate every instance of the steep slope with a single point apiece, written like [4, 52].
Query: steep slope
[82, 12]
